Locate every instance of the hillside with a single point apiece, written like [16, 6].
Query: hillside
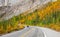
[46, 16]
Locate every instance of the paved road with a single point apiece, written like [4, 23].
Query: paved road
[27, 32]
[33, 32]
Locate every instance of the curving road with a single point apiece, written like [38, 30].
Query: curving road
[33, 32]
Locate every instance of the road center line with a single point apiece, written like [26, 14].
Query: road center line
[27, 32]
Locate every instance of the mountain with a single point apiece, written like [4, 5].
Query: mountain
[11, 10]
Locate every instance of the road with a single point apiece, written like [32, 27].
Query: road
[33, 32]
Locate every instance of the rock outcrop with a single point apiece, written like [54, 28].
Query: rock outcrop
[7, 12]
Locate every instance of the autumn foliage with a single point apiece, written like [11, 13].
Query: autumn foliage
[47, 17]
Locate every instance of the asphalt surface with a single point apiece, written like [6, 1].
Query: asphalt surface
[33, 32]
[27, 32]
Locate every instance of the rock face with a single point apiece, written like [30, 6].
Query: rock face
[14, 8]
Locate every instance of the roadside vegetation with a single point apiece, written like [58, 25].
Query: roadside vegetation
[47, 17]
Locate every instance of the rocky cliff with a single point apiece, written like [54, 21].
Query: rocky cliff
[7, 12]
